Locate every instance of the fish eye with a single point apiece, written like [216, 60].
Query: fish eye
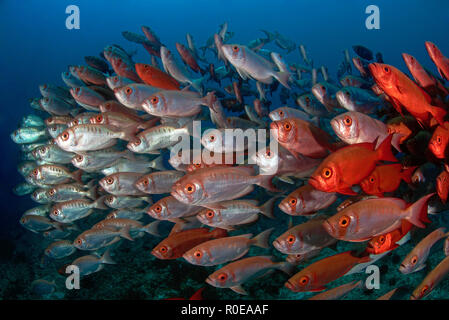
[163, 249]
[79, 241]
[439, 139]
[344, 221]
[212, 138]
[189, 188]
[46, 99]
[293, 201]
[51, 192]
[79, 158]
[414, 260]
[348, 93]
[382, 239]
[222, 277]
[387, 69]
[327, 173]
[158, 208]
[198, 165]
[146, 182]
[115, 79]
[35, 172]
[291, 239]
[146, 66]
[110, 199]
[287, 126]
[235, 49]
[304, 280]
[109, 180]
[55, 212]
[371, 179]
[198, 254]
[128, 90]
[307, 100]
[347, 121]
[323, 88]
[154, 99]
[99, 118]
[281, 113]
[210, 214]
[65, 136]
[137, 142]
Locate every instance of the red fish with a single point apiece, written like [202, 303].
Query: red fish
[440, 61]
[443, 184]
[349, 166]
[156, 78]
[316, 276]
[175, 245]
[403, 92]
[188, 58]
[389, 241]
[299, 136]
[440, 139]
[386, 178]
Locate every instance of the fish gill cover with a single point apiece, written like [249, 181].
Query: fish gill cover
[173, 150]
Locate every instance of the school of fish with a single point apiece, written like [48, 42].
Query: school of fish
[100, 148]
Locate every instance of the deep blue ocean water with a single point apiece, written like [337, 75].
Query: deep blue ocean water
[36, 46]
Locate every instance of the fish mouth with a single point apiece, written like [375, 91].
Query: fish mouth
[210, 281]
[329, 228]
[290, 285]
[284, 207]
[277, 245]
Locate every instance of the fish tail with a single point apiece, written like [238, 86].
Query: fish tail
[406, 174]
[283, 77]
[92, 193]
[128, 133]
[439, 114]
[261, 240]
[417, 212]
[106, 258]
[209, 100]
[152, 228]
[197, 84]
[265, 181]
[77, 175]
[148, 124]
[267, 208]
[124, 233]
[286, 267]
[158, 164]
[384, 150]
[99, 203]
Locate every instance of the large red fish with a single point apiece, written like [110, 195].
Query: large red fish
[175, 245]
[316, 276]
[403, 92]
[299, 136]
[366, 219]
[349, 166]
[386, 178]
[156, 78]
